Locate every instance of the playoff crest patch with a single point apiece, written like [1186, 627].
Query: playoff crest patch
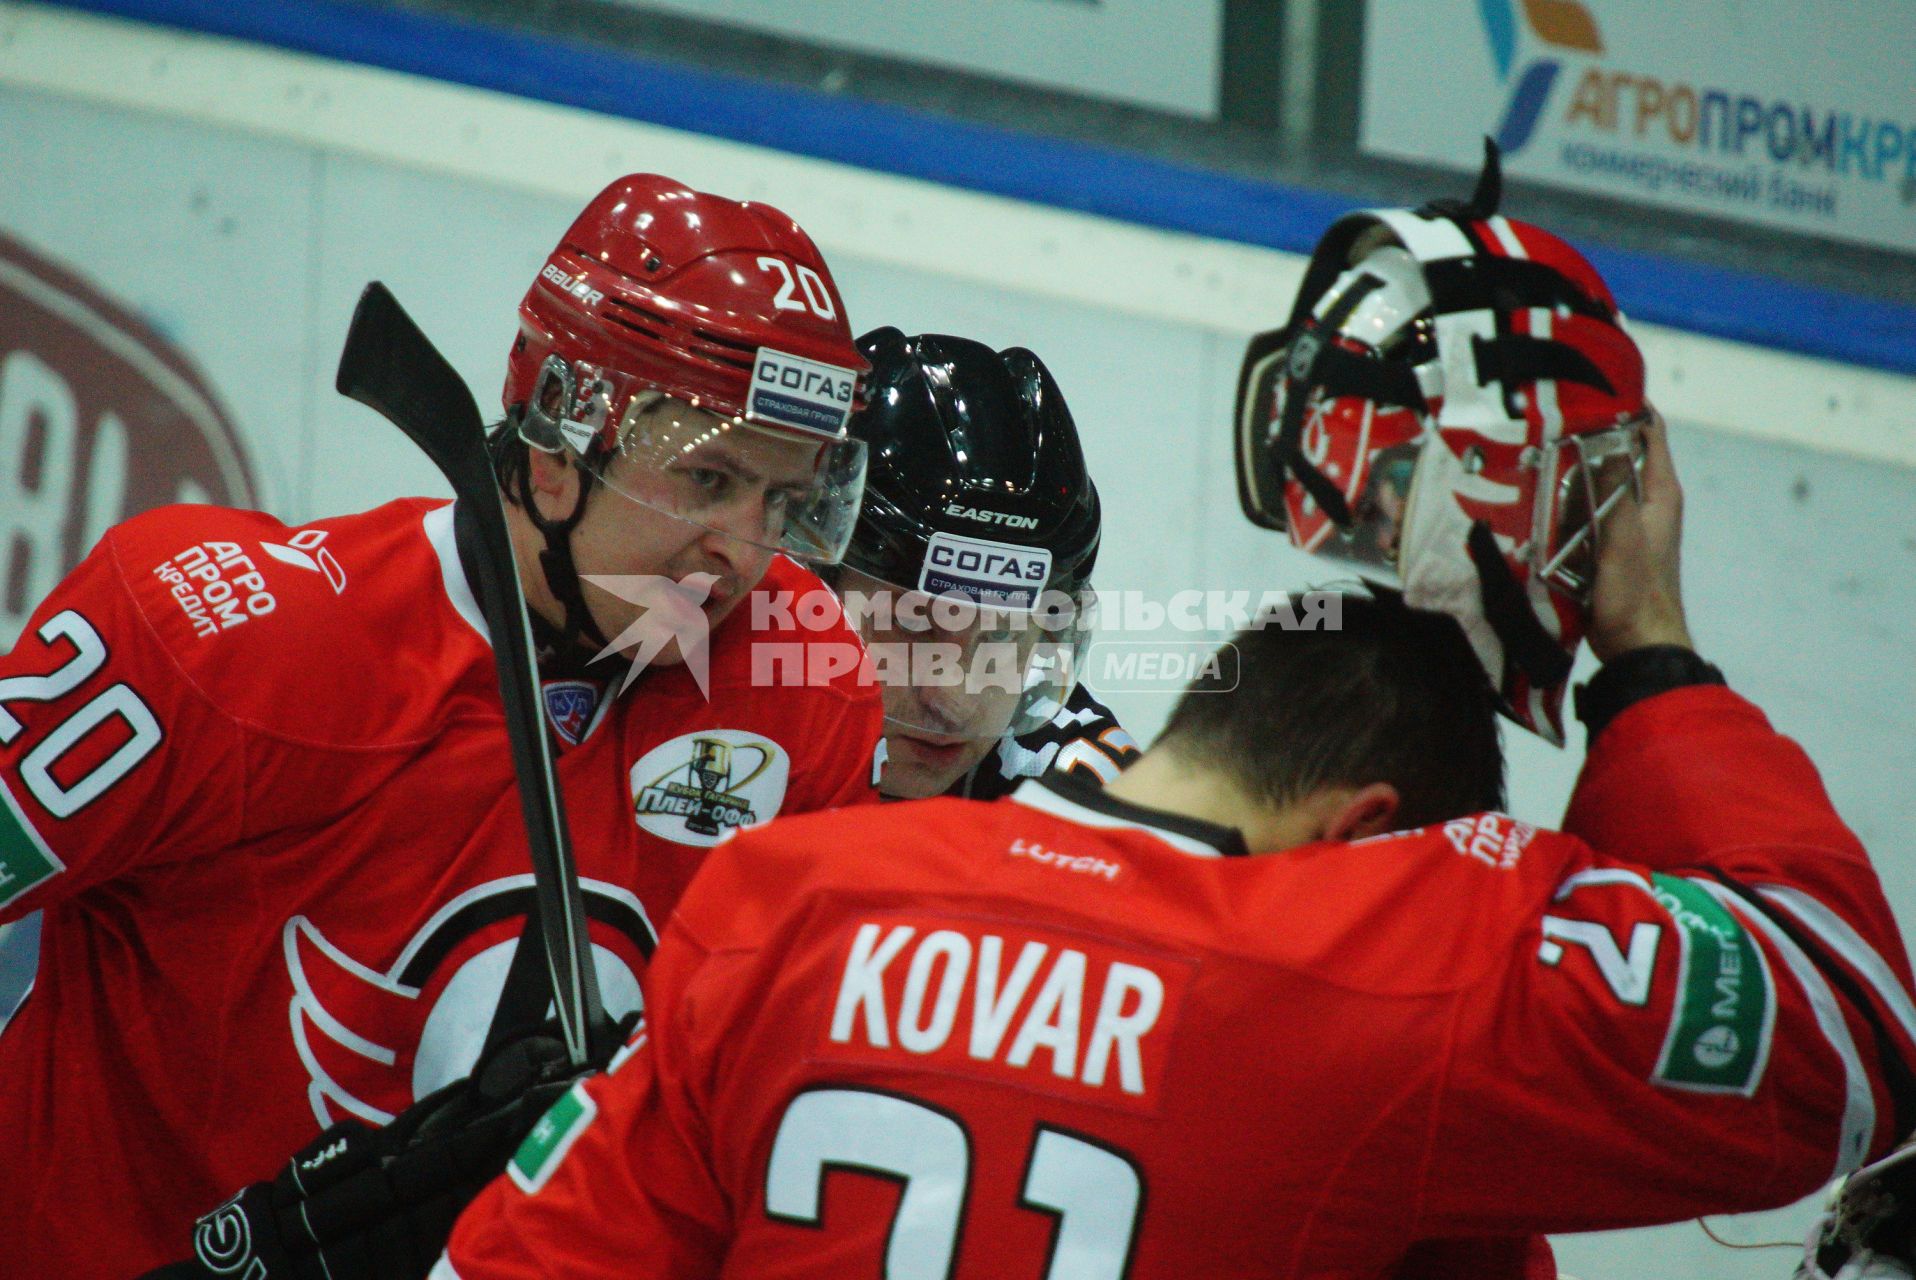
[698, 788]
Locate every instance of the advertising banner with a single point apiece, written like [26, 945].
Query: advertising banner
[1792, 116]
[100, 418]
[1143, 52]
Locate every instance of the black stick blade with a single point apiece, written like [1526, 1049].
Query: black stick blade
[390, 366]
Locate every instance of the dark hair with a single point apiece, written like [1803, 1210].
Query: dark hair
[1381, 693]
[509, 460]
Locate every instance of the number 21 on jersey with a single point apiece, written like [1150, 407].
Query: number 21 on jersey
[1094, 1192]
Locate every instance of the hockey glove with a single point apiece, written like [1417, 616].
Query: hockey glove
[1869, 1230]
[359, 1203]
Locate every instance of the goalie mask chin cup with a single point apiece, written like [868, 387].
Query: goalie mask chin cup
[1453, 397]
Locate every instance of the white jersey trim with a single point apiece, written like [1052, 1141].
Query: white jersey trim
[19, 1004]
[1034, 795]
[1836, 934]
[1601, 875]
[438, 526]
[442, 1270]
[1859, 1104]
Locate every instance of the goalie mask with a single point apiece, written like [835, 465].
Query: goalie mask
[1868, 1229]
[1454, 406]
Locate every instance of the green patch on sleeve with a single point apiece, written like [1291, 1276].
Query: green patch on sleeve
[545, 1147]
[1725, 1008]
[25, 860]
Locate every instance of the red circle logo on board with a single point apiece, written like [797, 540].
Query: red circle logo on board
[101, 418]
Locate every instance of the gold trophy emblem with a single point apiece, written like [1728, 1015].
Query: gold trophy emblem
[712, 766]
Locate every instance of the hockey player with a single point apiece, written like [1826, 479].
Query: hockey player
[257, 778]
[951, 425]
[1079, 1032]
[1450, 400]
[974, 454]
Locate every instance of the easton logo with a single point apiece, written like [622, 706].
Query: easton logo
[982, 516]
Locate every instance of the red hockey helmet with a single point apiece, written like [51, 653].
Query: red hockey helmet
[660, 293]
[1455, 399]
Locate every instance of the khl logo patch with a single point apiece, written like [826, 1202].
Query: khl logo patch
[570, 705]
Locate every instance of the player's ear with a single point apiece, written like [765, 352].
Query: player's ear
[555, 483]
[1371, 810]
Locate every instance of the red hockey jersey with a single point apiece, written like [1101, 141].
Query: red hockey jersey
[259, 781]
[1061, 1036]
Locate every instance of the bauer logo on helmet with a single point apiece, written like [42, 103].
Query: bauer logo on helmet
[574, 287]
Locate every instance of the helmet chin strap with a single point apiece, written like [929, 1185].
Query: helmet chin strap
[564, 650]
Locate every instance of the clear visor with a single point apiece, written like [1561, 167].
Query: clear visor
[780, 489]
[954, 670]
[1584, 477]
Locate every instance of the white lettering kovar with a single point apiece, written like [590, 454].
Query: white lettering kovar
[953, 985]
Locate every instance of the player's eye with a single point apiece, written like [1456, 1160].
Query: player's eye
[713, 485]
[782, 501]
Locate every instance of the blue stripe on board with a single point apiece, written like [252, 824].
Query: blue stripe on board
[1732, 304]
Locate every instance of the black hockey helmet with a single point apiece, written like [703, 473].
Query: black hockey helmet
[973, 444]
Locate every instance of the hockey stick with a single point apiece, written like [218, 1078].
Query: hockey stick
[391, 367]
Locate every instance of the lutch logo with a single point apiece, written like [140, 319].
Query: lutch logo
[1559, 24]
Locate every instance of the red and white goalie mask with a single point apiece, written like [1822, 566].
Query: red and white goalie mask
[1453, 406]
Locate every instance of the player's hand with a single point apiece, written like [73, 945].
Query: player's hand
[1868, 1229]
[378, 1204]
[1638, 597]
